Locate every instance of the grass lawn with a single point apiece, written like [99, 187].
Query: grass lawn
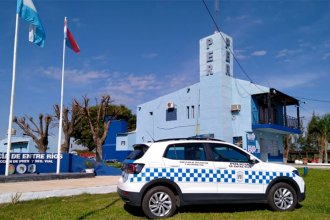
[109, 206]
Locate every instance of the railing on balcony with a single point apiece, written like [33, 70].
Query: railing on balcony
[287, 121]
[291, 122]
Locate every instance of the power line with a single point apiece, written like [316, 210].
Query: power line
[314, 100]
[223, 38]
[241, 67]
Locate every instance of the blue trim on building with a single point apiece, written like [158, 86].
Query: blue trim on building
[110, 151]
[275, 128]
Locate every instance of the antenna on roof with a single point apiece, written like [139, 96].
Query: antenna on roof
[216, 13]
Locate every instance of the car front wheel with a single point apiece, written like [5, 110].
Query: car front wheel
[159, 202]
[282, 197]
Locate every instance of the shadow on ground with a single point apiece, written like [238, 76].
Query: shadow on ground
[219, 208]
[226, 208]
[136, 211]
[98, 210]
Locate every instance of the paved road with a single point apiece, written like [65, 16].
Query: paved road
[51, 188]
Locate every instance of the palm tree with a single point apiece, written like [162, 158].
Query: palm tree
[319, 130]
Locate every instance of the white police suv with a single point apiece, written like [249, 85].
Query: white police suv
[166, 174]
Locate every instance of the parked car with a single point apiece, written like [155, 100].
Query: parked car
[166, 174]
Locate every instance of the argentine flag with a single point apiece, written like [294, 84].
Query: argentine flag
[27, 11]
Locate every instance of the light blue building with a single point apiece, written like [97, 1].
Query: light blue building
[222, 107]
[19, 145]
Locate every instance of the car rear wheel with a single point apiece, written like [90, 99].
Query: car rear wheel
[282, 197]
[159, 202]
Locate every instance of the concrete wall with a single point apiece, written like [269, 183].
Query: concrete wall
[19, 145]
[152, 123]
[215, 86]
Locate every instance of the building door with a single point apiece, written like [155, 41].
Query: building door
[274, 148]
[263, 149]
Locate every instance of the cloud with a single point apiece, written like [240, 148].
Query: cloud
[326, 56]
[327, 43]
[239, 54]
[76, 21]
[259, 53]
[129, 89]
[150, 55]
[133, 89]
[101, 59]
[287, 53]
[238, 18]
[187, 74]
[294, 81]
[75, 75]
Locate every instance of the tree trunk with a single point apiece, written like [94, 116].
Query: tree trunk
[320, 154]
[66, 145]
[98, 151]
[326, 152]
[42, 148]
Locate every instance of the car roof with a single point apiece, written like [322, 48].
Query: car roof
[188, 139]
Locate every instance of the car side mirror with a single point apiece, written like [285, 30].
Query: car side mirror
[253, 160]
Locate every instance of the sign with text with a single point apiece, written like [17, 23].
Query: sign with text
[29, 162]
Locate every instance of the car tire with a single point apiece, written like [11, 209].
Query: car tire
[159, 202]
[282, 197]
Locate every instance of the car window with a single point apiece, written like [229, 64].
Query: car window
[139, 151]
[226, 153]
[185, 151]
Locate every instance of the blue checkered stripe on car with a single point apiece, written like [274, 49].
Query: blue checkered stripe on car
[186, 175]
[263, 177]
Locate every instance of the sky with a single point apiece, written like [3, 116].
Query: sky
[136, 51]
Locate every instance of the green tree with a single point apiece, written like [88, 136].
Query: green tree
[124, 113]
[98, 123]
[319, 135]
[82, 133]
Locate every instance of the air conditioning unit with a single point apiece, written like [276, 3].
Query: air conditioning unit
[170, 105]
[236, 107]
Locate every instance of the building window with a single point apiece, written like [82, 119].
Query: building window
[192, 111]
[122, 143]
[171, 114]
[188, 113]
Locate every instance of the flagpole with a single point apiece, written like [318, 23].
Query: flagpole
[61, 108]
[10, 124]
